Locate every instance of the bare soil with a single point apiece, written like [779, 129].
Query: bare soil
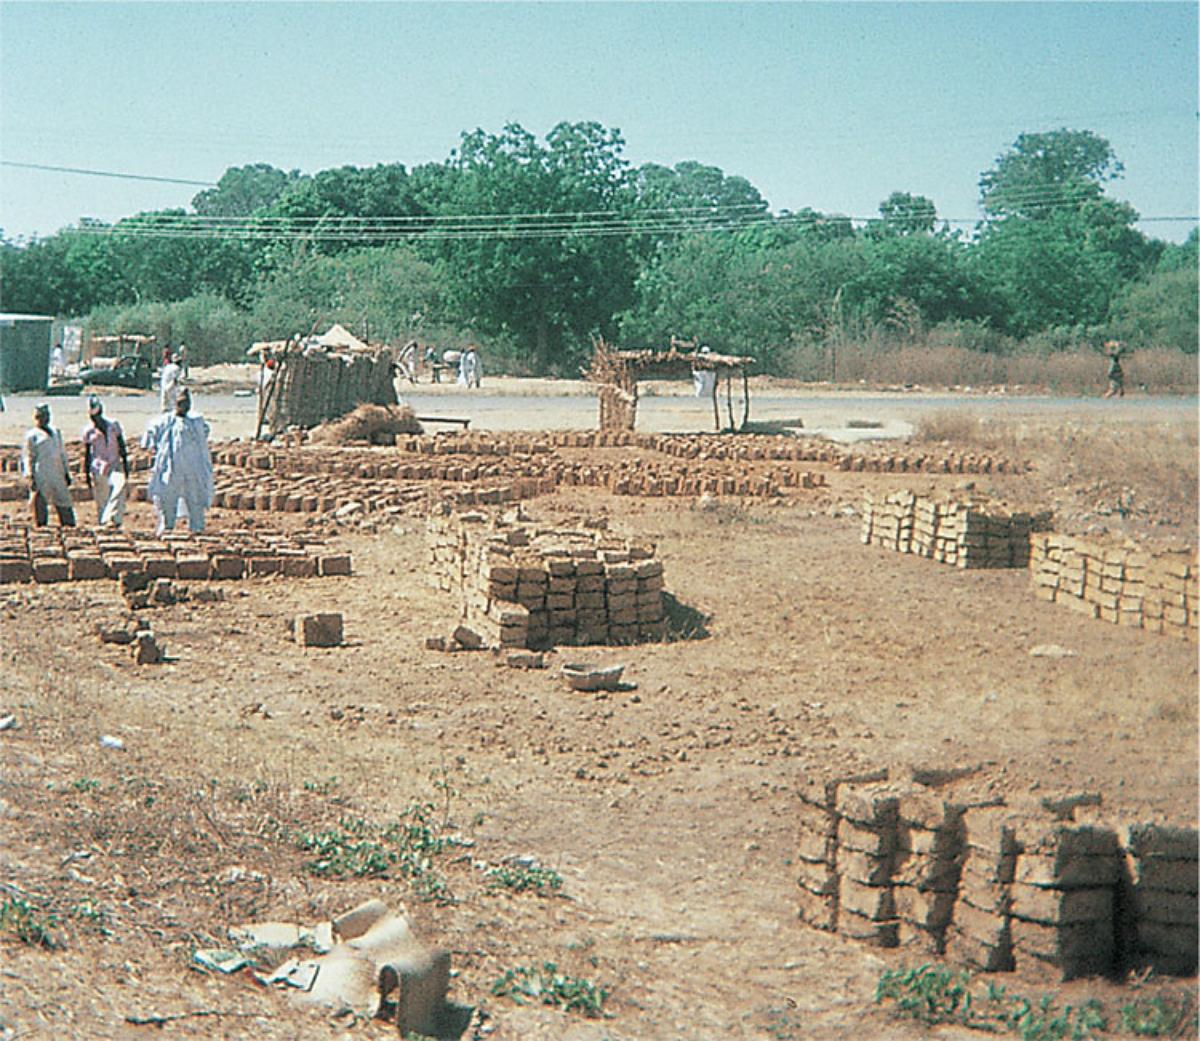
[667, 810]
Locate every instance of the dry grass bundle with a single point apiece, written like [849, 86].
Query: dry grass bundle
[373, 424]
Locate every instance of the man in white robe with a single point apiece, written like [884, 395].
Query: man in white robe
[44, 464]
[182, 465]
[168, 382]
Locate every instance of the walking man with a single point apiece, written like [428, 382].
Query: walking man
[44, 463]
[1116, 375]
[182, 465]
[168, 383]
[103, 448]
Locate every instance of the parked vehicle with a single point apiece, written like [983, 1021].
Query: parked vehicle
[126, 371]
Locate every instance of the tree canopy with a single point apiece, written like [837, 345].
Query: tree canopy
[535, 244]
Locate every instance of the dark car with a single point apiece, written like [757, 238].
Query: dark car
[128, 371]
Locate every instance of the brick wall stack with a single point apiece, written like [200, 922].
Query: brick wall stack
[1159, 902]
[81, 554]
[522, 585]
[1145, 587]
[964, 534]
[952, 873]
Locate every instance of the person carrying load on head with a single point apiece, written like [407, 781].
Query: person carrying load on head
[103, 448]
[1116, 375]
[44, 464]
[182, 465]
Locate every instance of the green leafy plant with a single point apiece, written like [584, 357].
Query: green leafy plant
[934, 994]
[29, 924]
[1164, 1015]
[361, 849]
[524, 879]
[547, 986]
[86, 784]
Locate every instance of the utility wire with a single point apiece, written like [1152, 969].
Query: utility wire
[105, 173]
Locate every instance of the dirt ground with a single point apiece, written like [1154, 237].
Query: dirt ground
[666, 810]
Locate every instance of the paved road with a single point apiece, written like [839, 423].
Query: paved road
[826, 412]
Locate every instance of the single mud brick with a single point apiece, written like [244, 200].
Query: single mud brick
[865, 930]
[622, 635]
[967, 949]
[992, 927]
[318, 630]
[984, 894]
[260, 566]
[1162, 905]
[191, 566]
[1060, 871]
[1075, 949]
[814, 847]
[820, 788]
[874, 902]
[1157, 840]
[925, 908]
[51, 569]
[1061, 906]
[297, 566]
[935, 873]
[875, 806]
[815, 910]
[468, 638]
[225, 566]
[1175, 876]
[865, 868]
[817, 878]
[84, 567]
[916, 937]
[879, 842]
[335, 564]
[1172, 946]
[159, 565]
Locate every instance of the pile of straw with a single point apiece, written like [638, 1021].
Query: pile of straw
[372, 424]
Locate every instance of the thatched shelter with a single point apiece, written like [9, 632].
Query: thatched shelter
[307, 382]
[615, 375]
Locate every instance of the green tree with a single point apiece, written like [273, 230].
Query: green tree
[907, 214]
[244, 190]
[1043, 173]
[539, 252]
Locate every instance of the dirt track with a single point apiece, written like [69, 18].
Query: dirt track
[667, 810]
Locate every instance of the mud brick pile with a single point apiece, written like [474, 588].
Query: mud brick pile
[522, 585]
[1146, 587]
[14, 487]
[1158, 897]
[964, 534]
[951, 872]
[82, 554]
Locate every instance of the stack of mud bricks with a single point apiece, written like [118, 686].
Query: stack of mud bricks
[14, 487]
[898, 864]
[1123, 583]
[962, 534]
[79, 554]
[527, 587]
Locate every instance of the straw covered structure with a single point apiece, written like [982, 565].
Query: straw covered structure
[372, 424]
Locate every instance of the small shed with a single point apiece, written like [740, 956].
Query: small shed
[25, 351]
[616, 373]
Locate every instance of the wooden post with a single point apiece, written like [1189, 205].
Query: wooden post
[716, 406]
[745, 398]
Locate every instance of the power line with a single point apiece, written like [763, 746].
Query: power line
[105, 173]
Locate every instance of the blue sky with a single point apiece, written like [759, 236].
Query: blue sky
[829, 106]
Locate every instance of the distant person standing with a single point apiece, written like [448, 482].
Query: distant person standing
[168, 383]
[470, 369]
[58, 360]
[103, 449]
[44, 463]
[1116, 375]
[182, 465]
[182, 358]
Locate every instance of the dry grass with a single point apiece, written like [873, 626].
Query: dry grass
[1081, 372]
[1148, 468]
[367, 424]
